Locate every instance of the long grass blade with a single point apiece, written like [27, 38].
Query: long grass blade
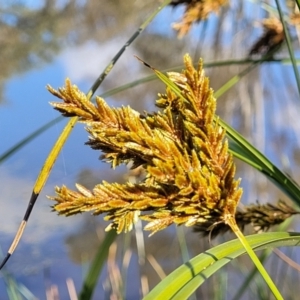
[262, 164]
[266, 253]
[182, 282]
[45, 171]
[263, 257]
[289, 45]
[265, 275]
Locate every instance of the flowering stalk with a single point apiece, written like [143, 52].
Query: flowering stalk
[189, 171]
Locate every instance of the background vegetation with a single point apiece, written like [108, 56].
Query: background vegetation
[262, 106]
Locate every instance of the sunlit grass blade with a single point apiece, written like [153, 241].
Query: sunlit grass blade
[182, 282]
[263, 257]
[266, 253]
[91, 279]
[263, 272]
[240, 153]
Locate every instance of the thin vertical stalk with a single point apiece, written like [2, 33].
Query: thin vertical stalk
[232, 223]
[289, 44]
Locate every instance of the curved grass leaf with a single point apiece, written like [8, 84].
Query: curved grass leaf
[182, 282]
[289, 44]
[243, 150]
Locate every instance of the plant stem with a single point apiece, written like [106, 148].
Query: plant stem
[289, 44]
[232, 223]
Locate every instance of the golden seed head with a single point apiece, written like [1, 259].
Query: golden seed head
[189, 171]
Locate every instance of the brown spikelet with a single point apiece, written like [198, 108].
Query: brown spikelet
[189, 172]
[196, 10]
[260, 216]
[272, 37]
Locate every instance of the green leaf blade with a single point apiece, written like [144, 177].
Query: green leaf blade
[188, 277]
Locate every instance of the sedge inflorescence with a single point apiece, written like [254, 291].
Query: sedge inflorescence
[182, 148]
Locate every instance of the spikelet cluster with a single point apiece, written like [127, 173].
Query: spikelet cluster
[260, 216]
[189, 171]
